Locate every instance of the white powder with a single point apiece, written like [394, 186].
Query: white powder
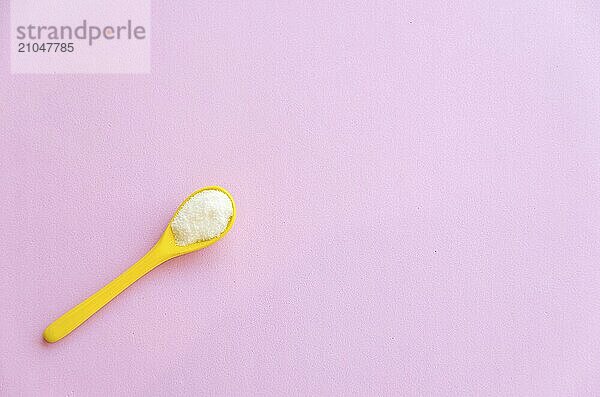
[203, 217]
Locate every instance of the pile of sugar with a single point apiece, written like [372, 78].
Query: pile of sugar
[203, 217]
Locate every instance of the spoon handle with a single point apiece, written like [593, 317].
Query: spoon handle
[72, 319]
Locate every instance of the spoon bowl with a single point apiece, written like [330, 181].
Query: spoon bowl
[167, 245]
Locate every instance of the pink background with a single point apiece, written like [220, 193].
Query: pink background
[418, 194]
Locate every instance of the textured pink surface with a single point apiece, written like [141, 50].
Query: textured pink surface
[418, 194]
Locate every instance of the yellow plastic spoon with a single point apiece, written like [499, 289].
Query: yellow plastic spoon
[164, 250]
